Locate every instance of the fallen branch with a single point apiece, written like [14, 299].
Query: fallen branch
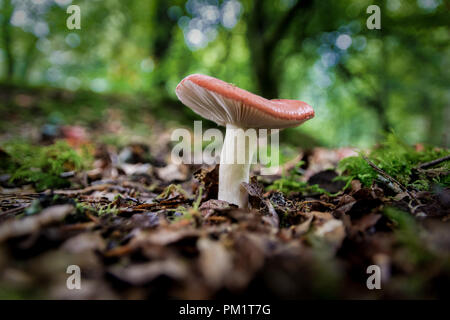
[388, 177]
[98, 187]
[14, 210]
[432, 163]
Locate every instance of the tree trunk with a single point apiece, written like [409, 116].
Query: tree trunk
[6, 38]
[263, 39]
[28, 60]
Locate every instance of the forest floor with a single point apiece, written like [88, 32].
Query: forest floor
[137, 226]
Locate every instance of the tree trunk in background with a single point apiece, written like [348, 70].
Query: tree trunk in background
[438, 116]
[263, 39]
[164, 27]
[261, 55]
[28, 60]
[163, 38]
[6, 38]
[263, 67]
[382, 103]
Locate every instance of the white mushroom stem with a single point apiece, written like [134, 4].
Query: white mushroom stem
[235, 161]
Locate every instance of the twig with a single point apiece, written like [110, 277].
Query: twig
[14, 210]
[385, 175]
[98, 187]
[432, 163]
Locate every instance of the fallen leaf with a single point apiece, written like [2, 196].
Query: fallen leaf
[143, 273]
[17, 228]
[173, 172]
[332, 230]
[215, 262]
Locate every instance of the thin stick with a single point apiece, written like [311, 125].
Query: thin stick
[384, 174]
[14, 210]
[432, 163]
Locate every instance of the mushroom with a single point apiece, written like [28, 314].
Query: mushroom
[238, 110]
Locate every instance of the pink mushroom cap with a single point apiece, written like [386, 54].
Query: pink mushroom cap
[224, 103]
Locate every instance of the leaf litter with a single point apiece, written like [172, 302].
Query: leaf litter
[140, 227]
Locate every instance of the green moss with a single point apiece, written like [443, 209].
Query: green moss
[42, 165]
[290, 182]
[398, 160]
[108, 209]
[288, 185]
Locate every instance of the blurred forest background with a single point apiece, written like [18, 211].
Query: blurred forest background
[130, 55]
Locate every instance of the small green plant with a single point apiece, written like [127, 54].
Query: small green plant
[172, 190]
[398, 160]
[43, 165]
[188, 213]
[197, 201]
[291, 183]
[288, 185]
[107, 209]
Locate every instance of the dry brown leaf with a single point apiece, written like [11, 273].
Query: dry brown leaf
[163, 237]
[17, 228]
[84, 242]
[302, 228]
[140, 274]
[332, 230]
[173, 172]
[215, 262]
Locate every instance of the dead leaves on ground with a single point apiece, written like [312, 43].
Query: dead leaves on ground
[139, 235]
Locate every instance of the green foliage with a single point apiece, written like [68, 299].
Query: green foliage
[172, 190]
[107, 209]
[398, 160]
[197, 201]
[393, 156]
[291, 183]
[279, 48]
[110, 208]
[356, 168]
[43, 165]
